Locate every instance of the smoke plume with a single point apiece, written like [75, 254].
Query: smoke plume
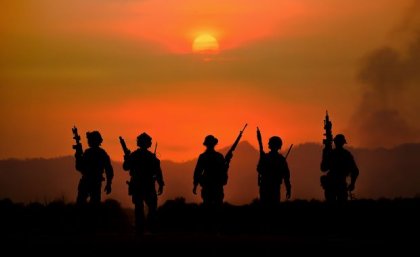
[387, 75]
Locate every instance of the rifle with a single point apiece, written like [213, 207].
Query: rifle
[328, 132]
[229, 154]
[327, 142]
[262, 153]
[78, 146]
[126, 151]
[287, 154]
[260, 141]
[154, 152]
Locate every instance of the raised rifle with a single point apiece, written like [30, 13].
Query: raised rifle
[229, 154]
[154, 152]
[327, 141]
[288, 152]
[78, 146]
[126, 151]
[262, 153]
[328, 132]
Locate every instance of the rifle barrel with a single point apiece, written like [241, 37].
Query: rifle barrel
[246, 124]
[290, 148]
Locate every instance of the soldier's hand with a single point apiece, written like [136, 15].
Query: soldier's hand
[108, 189]
[195, 190]
[160, 190]
[288, 195]
[350, 187]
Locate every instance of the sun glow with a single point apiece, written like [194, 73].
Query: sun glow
[205, 43]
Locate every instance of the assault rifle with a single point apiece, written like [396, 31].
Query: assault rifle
[262, 154]
[78, 146]
[327, 141]
[229, 154]
[126, 151]
[154, 152]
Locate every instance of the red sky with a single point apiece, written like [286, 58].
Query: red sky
[125, 66]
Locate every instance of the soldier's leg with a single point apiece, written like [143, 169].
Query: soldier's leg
[205, 196]
[151, 201]
[95, 192]
[342, 193]
[82, 192]
[219, 196]
[276, 194]
[139, 213]
[263, 194]
[329, 195]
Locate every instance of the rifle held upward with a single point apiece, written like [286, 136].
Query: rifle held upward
[229, 154]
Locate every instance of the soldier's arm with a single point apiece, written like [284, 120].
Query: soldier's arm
[261, 163]
[127, 163]
[159, 175]
[198, 170]
[287, 180]
[354, 171]
[80, 163]
[109, 171]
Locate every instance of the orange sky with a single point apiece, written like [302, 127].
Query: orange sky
[124, 67]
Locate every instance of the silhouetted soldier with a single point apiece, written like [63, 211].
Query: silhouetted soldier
[272, 170]
[340, 164]
[211, 173]
[145, 170]
[92, 163]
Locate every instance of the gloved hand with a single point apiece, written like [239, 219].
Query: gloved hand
[108, 188]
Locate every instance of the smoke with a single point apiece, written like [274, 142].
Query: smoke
[387, 75]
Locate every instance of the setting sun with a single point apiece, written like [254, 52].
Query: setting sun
[205, 43]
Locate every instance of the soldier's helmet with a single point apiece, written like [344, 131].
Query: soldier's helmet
[210, 141]
[94, 138]
[144, 140]
[275, 142]
[340, 139]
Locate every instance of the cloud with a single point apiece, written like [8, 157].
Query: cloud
[388, 75]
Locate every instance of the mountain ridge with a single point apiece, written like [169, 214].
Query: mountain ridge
[386, 173]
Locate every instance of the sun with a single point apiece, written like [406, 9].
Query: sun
[206, 44]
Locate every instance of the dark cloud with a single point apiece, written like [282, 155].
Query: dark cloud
[388, 75]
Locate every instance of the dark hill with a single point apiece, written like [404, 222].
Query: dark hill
[386, 173]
